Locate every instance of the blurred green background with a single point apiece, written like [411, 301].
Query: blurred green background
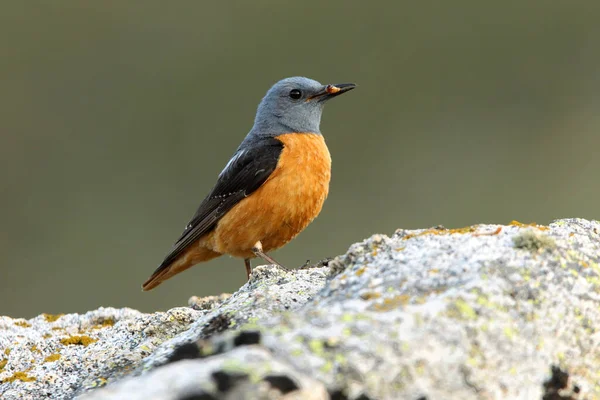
[116, 118]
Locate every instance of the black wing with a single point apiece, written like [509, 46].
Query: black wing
[247, 170]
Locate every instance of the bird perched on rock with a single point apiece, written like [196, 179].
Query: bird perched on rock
[270, 190]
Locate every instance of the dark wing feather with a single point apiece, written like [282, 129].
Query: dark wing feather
[248, 169]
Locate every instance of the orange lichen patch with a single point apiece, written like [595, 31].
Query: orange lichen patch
[46, 335]
[19, 376]
[442, 231]
[104, 323]
[391, 303]
[571, 234]
[370, 295]
[35, 348]
[530, 225]
[78, 340]
[52, 358]
[495, 232]
[51, 317]
[23, 324]
[360, 271]
[460, 231]
[56, 328]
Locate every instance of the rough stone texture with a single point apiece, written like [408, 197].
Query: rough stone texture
[483, 312]
[103, 345]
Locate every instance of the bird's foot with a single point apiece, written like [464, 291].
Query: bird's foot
[257, 249]
[323, 263]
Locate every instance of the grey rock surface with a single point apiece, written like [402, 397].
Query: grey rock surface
[483, 312]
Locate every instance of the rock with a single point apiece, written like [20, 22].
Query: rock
[102, 346]
[487, 311]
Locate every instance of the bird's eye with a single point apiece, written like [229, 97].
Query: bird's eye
[295, 94]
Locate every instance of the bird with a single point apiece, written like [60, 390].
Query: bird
[271, 189]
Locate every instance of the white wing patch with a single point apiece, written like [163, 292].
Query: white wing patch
[235, 157]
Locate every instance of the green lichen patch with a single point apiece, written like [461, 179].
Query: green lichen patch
[3, 364]
[296, 352]
[327, 367]
[52, 358]
[19, 376]
[51, 317]
[7, 351]
[509, 332]
[460, 309]
[250, 324]
[533, 241]
[316, 346]
[23, 324]
[78, 340]
[97, 383]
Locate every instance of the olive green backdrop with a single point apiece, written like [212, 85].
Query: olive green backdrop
[116, 117]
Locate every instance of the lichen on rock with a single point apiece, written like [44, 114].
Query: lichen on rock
[486, 311]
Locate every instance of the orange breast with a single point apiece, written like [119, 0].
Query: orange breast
[284, 205]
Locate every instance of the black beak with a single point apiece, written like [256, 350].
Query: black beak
[330, 91]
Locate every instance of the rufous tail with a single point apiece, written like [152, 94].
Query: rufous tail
[189, 258]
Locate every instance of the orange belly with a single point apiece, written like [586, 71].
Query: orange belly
[284, 205]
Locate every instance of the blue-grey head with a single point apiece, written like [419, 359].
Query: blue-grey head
[294, 105]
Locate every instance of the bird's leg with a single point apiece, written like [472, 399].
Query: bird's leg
[258, 252]
[248, 268]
